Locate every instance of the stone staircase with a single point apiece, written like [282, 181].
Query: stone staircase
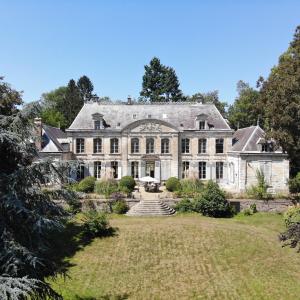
[150, 207]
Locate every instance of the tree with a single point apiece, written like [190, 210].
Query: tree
[9, 98]
[245, 111]
[85, 87]
[54, 99]
[280, 97]
[160, 83]
[210, 97]
[53, 118]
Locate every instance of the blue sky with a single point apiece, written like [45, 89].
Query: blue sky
[210, 44]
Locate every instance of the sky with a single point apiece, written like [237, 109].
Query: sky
[210, 44]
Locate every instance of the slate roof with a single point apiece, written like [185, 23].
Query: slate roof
[176, 114]
[246, 139]
[54, 134]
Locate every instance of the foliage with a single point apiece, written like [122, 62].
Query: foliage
[291, 237]
[247, 212]
[259, 191]
[127, 182]
[120, 207]
[87, 184]
[190, 187]
[245, 110]
[173, 184]
[28, 214]
[52, 117]
[294, 184]
[160, 83]
[95, 224]
[292, 215]
[281, 90]
[184, 205]
[212, 202]
[253, 208]
[85, 87]
[106, 187]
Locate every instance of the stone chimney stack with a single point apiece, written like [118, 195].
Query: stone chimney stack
[38, 133]
[129, 100]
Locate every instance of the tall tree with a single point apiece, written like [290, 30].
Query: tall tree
[245, 111]
[9, 98]
[160, 83]
[85, 87]
[280, 96]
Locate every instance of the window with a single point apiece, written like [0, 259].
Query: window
[149, 116]
[97, 169]
[201, 125]
[97, 124]
[134, 116]
[79, 145]
[219, 169]
[185, 169]
[114, 166]
[202, 146]
[219, 145]
[202, 170]
[165, 146]
[97, 145]
[185, 145]
[135, 145]
[267, 147]
[135, 169]
[150, 145]
[114, 145]
[80, 172]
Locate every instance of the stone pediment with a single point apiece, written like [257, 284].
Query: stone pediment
[151, 126]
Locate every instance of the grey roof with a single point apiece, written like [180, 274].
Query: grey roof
[176, 114]
[246, 139]
[54, 134]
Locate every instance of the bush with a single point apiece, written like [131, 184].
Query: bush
[191, 187]
[106, 187]
[172, 184]
[86, 185]
[247, 212]
[259, 191]
[120, 207]
[292, 215]
[185, 205]
[127, 183]
[212, 202]
[253, 208]
[291, 236]
[95, 224]
[294, 184]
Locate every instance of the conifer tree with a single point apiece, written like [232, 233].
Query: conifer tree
[85, 87]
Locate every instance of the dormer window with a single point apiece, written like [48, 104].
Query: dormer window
[97, 124]
[201, 125]
[134, 116]
[201, 122]
[149, 116]
[98, 121]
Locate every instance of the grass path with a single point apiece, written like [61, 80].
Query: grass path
[186, 257]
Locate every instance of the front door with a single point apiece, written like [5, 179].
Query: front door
[150, 165]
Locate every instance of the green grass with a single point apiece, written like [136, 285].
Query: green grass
[186, 257]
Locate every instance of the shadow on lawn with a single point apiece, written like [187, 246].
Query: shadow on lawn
[66, 243]
[105, 297]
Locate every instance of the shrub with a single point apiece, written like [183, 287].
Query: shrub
[253, 208]
[127, 182]
[106, 187]
[120, 207]
[294, 184]
[212, 202]
[95, 224]
[191, 187]
[291, 236]
[172, 184]
[259, 191]
[86, 185]
[185, 205]
[247, 212]
[292, 215]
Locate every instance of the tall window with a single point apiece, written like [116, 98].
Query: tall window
[97, 124]
[219, 169]
[150, 145]
[97, 169]
[114, 145]
[202, 170]
[80, 172]
[165, 146]
[202, 146]
[201, 125]
[79, 145]
[185, 145]
[135, 145]
[135, 169]
[219, 145]
[114, 166]
[97, 145]
[185, 169]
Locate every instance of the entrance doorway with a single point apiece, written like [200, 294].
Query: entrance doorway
[150, 166]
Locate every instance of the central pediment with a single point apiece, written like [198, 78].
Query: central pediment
[151, 126]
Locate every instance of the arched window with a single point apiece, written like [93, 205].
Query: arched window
[150, 145]
[185, 145]
[165, 146]
[97, 145]
[135, 145]
[114, 145]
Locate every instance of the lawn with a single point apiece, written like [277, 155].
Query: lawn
[186, 257]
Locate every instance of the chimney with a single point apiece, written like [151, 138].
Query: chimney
[129, 101]
[38, 133]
